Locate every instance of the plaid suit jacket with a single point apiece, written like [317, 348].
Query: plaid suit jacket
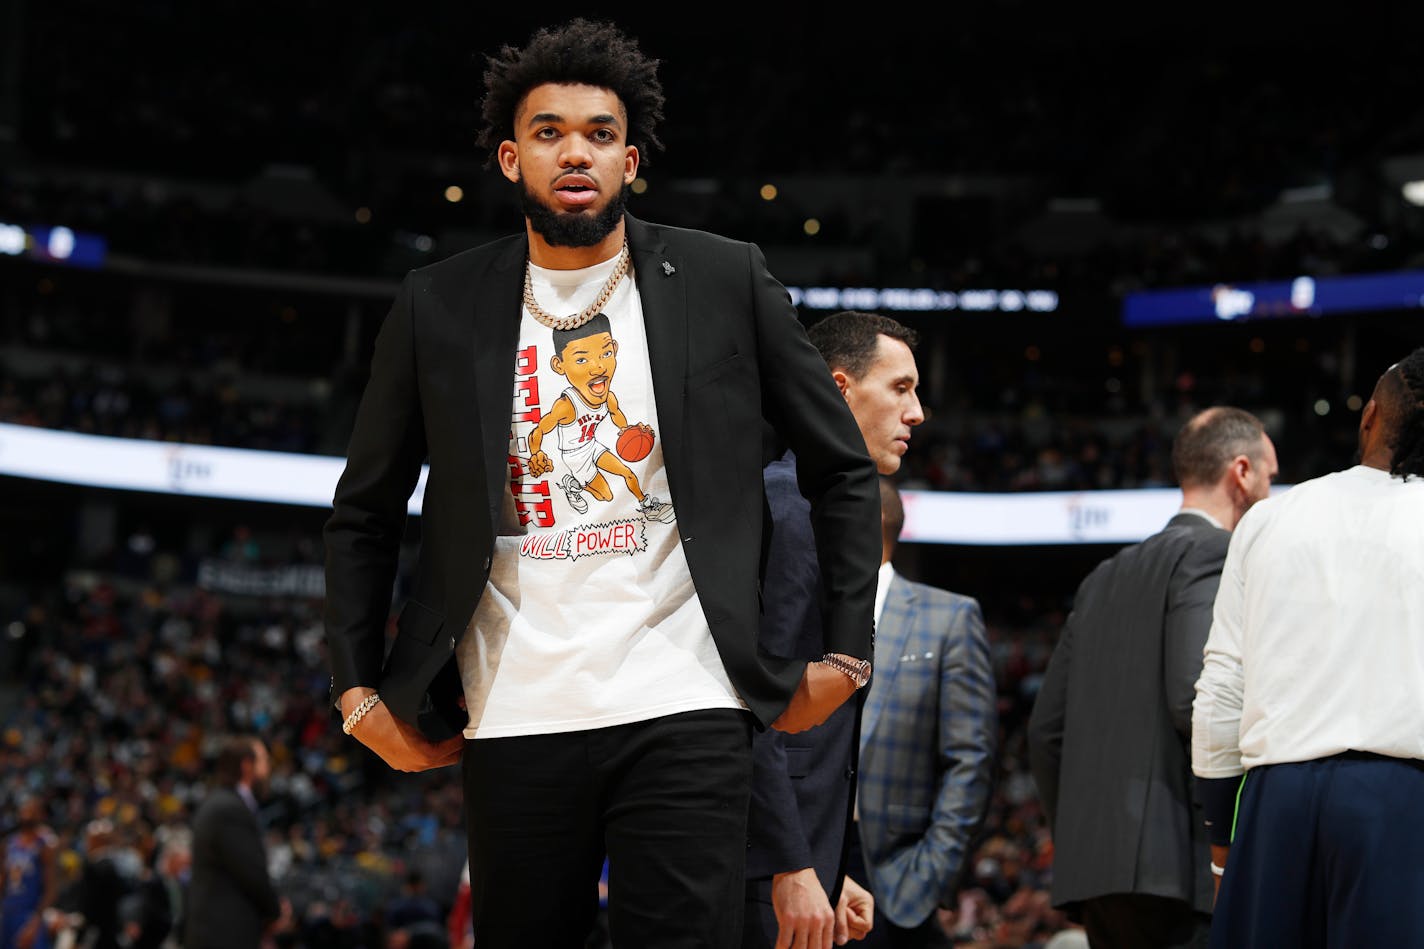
[928, 747]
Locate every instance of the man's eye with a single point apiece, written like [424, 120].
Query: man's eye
[604, 135]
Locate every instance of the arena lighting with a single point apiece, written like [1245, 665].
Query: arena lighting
[1038, 518]
[1414, 192]
[924, 299]
[58, 245]
[931, 517]
[1302, 297]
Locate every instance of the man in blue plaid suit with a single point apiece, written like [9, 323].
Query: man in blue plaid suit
[928, 745]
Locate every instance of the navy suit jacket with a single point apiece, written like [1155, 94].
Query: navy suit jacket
[928, 748]
[802, 784]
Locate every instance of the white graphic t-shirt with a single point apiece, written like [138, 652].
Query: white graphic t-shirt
[589, 618]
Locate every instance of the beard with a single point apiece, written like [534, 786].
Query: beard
[571, 228]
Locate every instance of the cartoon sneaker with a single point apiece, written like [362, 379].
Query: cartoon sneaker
[574, 492]
[655, 510]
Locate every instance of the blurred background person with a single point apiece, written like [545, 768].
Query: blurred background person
[1110, 733]
[232, 903]
[31, 878]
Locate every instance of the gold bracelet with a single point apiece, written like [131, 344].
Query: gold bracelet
[359, 712]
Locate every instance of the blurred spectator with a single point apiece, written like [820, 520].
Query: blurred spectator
[232, 901]
[102, 885]
[413, 904]
[31, 877]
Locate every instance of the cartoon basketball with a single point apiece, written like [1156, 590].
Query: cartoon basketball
[634, 443]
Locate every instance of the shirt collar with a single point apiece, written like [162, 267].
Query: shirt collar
[245, 792]
[882, 583]
[1203, 514]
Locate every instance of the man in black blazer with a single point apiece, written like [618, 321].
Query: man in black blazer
[803, 785]
[231, 902]
[580, 631]
[1109, 736]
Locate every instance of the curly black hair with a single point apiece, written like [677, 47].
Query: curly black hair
[1408, 423]
[587, 52]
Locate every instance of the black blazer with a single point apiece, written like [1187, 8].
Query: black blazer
[728, 354]
[1109, 738]
[231, 899]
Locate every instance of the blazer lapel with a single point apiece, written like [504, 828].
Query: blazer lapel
[498, 307]
[664, 298]
[892, 635]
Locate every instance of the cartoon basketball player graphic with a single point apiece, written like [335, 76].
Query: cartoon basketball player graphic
[587, 357]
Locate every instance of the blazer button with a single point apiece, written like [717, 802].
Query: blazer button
[850, 773]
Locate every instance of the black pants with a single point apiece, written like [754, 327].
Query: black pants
[1139, 921]
[665, 800]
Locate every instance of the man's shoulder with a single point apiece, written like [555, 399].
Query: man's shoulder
[1108, 574]
[1184, 533]
[938, 595]
[680, 237]
[217, 801]
[461, 264]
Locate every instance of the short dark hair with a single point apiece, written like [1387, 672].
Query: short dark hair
[1210, 440]
[599, 323]
[583, 52]
[892, 510]
[847, 339]
[232, 752]
[1403, 414]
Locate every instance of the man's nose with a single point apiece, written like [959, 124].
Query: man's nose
[915, 414]
[576, 152]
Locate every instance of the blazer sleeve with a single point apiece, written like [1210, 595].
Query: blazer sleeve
[833, 469]
[371, 504]
[1047, 720]
[1191, 593]
[968, 742]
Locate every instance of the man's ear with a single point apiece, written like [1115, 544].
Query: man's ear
[842, 379]
[1240, 470]
[509, 160]
[1369, 415]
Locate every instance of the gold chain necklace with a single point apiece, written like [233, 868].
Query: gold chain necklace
[576, 319]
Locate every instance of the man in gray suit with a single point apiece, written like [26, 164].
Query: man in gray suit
[928, 743]
[1109, 737]
[231, 901]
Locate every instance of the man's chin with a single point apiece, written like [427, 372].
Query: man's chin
[573, 227]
